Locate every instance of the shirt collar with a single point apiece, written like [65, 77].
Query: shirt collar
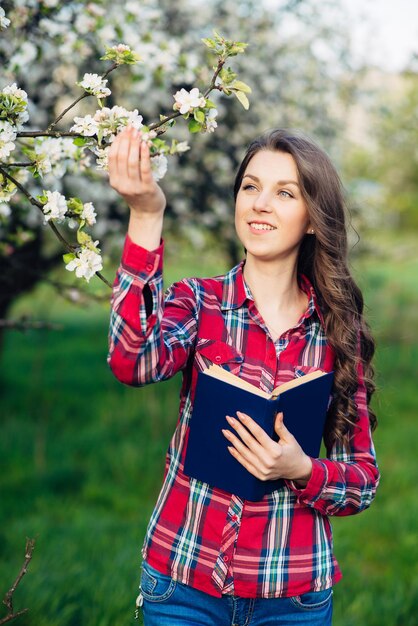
[236, 292]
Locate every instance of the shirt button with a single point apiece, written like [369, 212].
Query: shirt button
[226, 558]
[218, 358]
[149, 267]
[234, 518]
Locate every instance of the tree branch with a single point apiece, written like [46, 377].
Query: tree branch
[52, 133]
[52, 226]
[8, 598]
[29, 164]
[84, 95]
[212, 86]
[24, 323]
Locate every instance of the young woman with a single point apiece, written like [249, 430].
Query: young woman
[289, 308]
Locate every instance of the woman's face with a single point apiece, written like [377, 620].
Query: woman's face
[271, 217]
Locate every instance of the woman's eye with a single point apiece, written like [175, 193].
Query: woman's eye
[285, 194]
[249, 186]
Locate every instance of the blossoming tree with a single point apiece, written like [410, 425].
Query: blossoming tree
[51, 72]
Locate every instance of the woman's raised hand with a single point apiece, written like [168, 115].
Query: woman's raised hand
[130, 175]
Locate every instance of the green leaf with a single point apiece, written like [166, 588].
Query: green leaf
[237, 47]
[194, 127]
[209, 104]
[68, 257]
[227, 76]
[243, 99]
[75, 205]
[209, 43]
[199, 116]
[83, 238]
[80, 141]
[238, 84]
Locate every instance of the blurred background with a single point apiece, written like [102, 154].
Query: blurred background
[81, 456]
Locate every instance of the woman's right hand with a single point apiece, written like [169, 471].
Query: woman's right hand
[131, 176]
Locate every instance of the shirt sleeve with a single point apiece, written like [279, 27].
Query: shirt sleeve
[150, 335]
[345, 482]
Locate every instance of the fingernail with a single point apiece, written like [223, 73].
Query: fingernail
[226, 433]
[241, 415]
[230, 419]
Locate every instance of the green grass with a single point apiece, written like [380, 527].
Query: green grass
[81, 462]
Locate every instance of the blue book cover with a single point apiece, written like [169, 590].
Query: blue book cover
[304, 402]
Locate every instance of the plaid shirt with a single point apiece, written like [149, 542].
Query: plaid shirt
[202, 536]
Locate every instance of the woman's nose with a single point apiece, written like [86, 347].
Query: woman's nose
[261, 202]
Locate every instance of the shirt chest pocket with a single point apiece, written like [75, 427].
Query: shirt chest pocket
[213, 351]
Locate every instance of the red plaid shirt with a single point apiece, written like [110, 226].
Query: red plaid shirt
[202, 536]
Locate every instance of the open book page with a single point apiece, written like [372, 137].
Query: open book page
[216, 371]
[296, 382]
[222, 374]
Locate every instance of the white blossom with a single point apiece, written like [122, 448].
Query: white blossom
[211, 122]
[86, 126]
[4, 21]
[186, 101]
[95, 9]
[84, 23]
[16, 106]
[43, 164]
[14, 90]
[7, 191]
[159, 166]
[56, 206]
[111, 121]
[182, 146]
[148, 136]
[5, 210]
[88, 213]
[134, 119]
[52, 27]
[86, 263]
[7, 137]
[102, 161]
[68, 148]
[95, 84]
[121, 47]
[25, 55]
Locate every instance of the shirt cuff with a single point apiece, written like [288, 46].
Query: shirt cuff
[315, 485]
[139, 261]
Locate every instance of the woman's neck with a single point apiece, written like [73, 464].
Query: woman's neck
[276, 293]
[273, 286]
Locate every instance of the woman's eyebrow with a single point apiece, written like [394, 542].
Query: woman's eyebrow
[279, 182]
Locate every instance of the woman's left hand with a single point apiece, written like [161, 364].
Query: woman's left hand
[262, 456]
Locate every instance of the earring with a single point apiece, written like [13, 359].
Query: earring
[312, 231]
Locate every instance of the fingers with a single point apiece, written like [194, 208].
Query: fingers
[248, 423]
[124, 161]
[132, 162]
[145, 164]
[285, 436]
[245, 443]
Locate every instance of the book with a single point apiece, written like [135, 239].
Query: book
[303, 400]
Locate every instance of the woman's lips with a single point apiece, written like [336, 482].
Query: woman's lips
[261, 227]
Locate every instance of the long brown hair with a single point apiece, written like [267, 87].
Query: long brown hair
[323, 258]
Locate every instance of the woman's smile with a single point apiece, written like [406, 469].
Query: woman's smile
[260, 227]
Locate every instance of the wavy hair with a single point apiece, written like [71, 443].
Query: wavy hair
[323, 258]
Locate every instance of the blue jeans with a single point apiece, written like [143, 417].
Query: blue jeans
[170, 603]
